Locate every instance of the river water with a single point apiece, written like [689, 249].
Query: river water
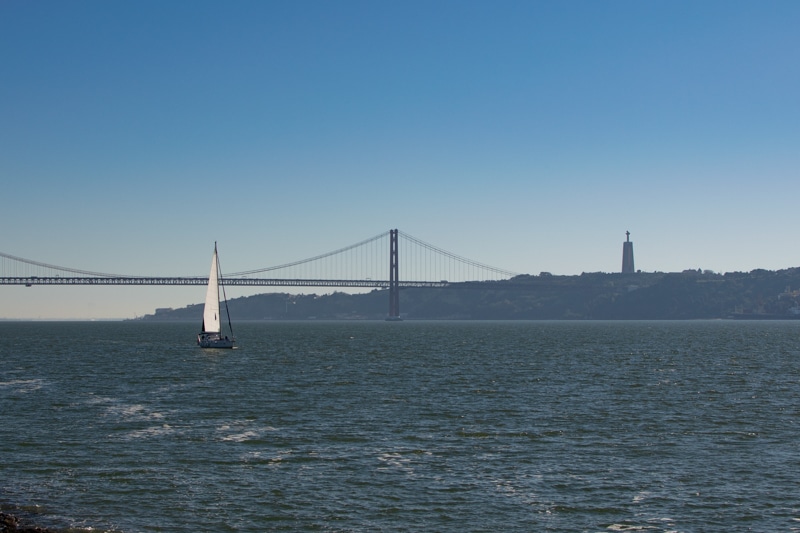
[412, 426]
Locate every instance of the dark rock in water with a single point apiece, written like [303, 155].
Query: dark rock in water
[10, 524]
[7, 521]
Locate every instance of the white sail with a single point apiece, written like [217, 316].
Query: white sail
[211, 335]
[211, 311]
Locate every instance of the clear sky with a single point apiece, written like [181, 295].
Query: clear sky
[528, 135]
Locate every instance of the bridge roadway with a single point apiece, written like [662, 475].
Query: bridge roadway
[228, 282]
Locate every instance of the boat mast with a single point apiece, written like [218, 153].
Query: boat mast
[224, 296]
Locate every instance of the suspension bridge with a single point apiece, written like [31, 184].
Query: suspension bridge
[391, 260]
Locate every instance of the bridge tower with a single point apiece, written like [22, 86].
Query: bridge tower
[627, 255]
[394, 286]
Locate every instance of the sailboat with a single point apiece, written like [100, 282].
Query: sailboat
[211, 334]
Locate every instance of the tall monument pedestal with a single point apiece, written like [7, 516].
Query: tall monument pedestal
[627, 255]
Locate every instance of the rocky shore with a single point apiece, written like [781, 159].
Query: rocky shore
[11, 524]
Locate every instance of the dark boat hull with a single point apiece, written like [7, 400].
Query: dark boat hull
[214, 340]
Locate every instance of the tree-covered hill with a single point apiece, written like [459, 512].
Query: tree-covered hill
[596, 296]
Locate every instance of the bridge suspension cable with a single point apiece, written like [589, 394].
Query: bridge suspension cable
[367, 260]
[311, 259]
[429, 259]
[29, 262]
[363, 264]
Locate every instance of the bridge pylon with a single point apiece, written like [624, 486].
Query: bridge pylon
[394, 284]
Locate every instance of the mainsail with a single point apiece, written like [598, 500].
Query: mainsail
[210, 336]
[211, 312]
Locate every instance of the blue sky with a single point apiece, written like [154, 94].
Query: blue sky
[526, 135]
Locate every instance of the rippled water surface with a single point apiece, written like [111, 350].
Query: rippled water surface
[413, 426]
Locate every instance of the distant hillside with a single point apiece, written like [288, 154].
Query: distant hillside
[595, 296]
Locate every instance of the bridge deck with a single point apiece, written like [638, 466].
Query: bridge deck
[228, 282]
